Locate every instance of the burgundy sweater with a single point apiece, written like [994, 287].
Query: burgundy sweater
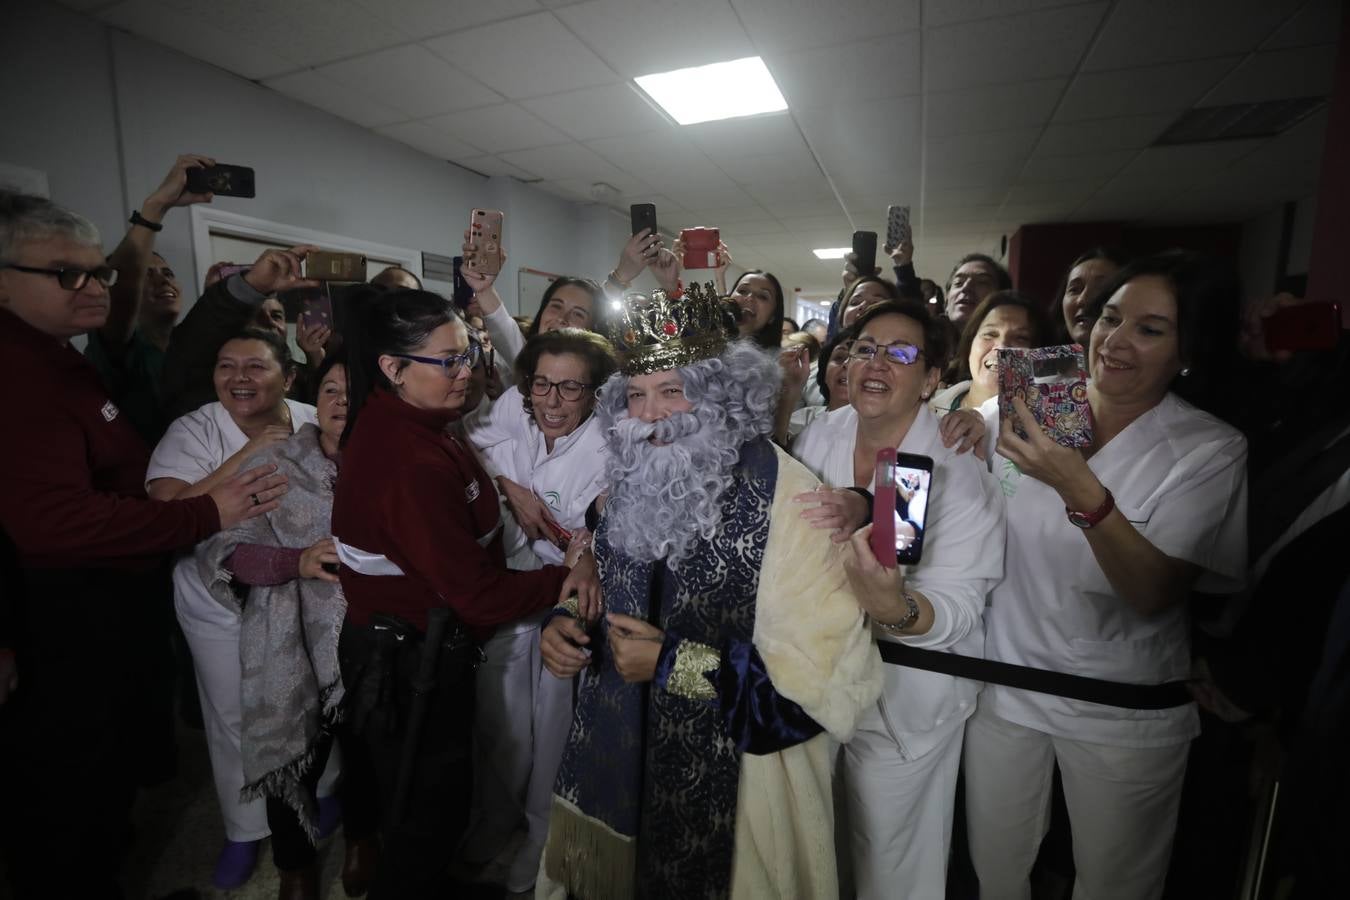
[72, 470]
[416, 495]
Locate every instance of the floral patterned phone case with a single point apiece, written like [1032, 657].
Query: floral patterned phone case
[1052, 381]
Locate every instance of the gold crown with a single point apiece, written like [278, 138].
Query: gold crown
[653, 332]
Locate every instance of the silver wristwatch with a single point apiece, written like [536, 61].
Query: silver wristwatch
[911, 616]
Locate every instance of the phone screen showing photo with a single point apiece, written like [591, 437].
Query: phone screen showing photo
[913, 485]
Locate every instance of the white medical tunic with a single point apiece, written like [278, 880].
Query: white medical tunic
[1179, 476]
[962, 560]
[193, 447]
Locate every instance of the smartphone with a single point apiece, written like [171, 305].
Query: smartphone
[485, 242]
[902, 487]
[461, 293]
[897, 226]
[325, 265]
[316, 310]
[1308, 326]
[1052, 382]
[700, 248]
[644, 216]
[865, 251]
[560, 535]
[222, 180]
[226, 271]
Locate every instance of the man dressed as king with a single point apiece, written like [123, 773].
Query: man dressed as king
[731, 654]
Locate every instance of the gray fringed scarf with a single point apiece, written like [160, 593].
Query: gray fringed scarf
[288, 640]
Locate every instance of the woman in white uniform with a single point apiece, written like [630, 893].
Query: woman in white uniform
[1108, 543]
[200, 450]
[548, 454]
[900, 769]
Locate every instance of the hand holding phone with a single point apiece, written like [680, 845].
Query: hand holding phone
[900, 494]
[326, 265]
[221, 180]
[483, 253]
[1303, 327]
[699, 247]
[643, 215]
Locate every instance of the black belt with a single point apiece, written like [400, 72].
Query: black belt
[1043, 681]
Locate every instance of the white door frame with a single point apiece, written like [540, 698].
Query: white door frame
[207, 221]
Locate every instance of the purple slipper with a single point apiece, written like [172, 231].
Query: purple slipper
[236, 863]
[330, 814]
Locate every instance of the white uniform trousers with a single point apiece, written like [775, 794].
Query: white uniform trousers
[215, 658]
[520, 729]
[899, 813]
[1122, 805]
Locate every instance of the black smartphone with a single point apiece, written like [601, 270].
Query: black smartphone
[644, 216]
[221, 180]
[865, 251]
[461, 293]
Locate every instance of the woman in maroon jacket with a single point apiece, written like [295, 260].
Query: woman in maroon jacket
[416, 525]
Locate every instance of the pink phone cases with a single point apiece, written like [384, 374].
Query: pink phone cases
[883, 508]
[1052, 381]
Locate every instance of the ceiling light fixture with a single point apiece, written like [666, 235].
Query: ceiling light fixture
[725, 90]
[832, 252]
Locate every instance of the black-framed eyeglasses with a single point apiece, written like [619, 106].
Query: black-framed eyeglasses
[451, 365]
[899, 353]
[567, 390]
[72, 279]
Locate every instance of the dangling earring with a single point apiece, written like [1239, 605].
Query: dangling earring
[1186, 371]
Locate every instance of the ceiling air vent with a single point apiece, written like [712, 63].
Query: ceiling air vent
[1240, 120]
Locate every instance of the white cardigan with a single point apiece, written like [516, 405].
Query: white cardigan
[962, 561]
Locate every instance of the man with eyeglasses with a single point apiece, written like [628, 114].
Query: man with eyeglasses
[89, 544]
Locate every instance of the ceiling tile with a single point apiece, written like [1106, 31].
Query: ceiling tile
[320, 31]
[631, 190]
[701, 190]
[947, 12]
[1148, 32]
[848, 74]
[496, 129]
[310, 87]
[965, 197]
[752, 170]
[652, 154]
[1061, 192]
[808, 191]
[1277, 75]
[1318, 22]
[1023, 47]
[1184, 165]
[494, 166]
[622, 32]
[526, 57]
[758, 135]
[426, 18]
[428, 140]
[598, 112]
[993, 108]
[1043, 167]
[1101, 135]
[201, 39]
[736, 215]
[972, 175]
[411, 78]
[779, 25]
[992, 147]
[570, 161]
[1130, 92]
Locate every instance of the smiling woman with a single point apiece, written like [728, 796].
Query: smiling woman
[199, 451]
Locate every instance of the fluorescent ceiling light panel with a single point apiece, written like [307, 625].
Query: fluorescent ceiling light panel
[725, 90]
[832, 252]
